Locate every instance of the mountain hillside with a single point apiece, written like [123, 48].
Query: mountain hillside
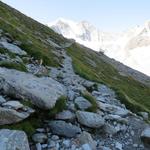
[58, 94]
[130, 47]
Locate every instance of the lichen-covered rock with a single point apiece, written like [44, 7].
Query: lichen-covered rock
[13, 140]
[43, 92]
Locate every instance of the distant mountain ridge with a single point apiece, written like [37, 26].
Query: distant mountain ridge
[130, 47]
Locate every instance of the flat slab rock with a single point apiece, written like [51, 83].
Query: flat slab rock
[90, 119]
[43, 92]
[64, 129]
[13, 140]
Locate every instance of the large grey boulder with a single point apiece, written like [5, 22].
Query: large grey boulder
[43, 92]
[64, 129]
[12, 48]
[90, 119]
[13, 140]
[10, 116]
[82, 103]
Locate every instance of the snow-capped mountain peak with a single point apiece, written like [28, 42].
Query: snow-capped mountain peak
[131, 47]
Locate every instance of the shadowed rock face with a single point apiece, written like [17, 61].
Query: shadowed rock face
[43, 92]
[13, 140]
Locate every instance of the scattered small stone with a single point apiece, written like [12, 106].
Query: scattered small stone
[82, 103]
[65, 115]
[38, 146]
[41, 130]
[85, 137]
[55, 137]
[86, 147]
[51, 143]
[132, 133]
[44, 145]
[66, 143]
[118, 146]
[135, 145]
[39, 137]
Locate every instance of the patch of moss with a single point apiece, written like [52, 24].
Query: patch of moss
[13, 65]
[92, 100]
[59, 106]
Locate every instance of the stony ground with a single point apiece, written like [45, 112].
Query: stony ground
[93, 119]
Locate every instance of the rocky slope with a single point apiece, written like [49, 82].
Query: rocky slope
[130, 47]
[52, 99]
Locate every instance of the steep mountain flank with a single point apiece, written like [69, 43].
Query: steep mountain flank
[64, 96]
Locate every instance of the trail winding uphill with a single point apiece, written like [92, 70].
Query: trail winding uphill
[58, 100]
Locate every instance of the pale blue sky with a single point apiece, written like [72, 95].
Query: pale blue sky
[109, 15]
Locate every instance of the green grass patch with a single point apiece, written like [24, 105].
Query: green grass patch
[59, 106]
[13, 65]
[92, 100]
[136, 95]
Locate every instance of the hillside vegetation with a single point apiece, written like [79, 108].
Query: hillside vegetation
[88, 64]
[32, 34]
[34, 40]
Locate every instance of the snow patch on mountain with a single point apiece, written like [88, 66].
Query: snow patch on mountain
[131, 47]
